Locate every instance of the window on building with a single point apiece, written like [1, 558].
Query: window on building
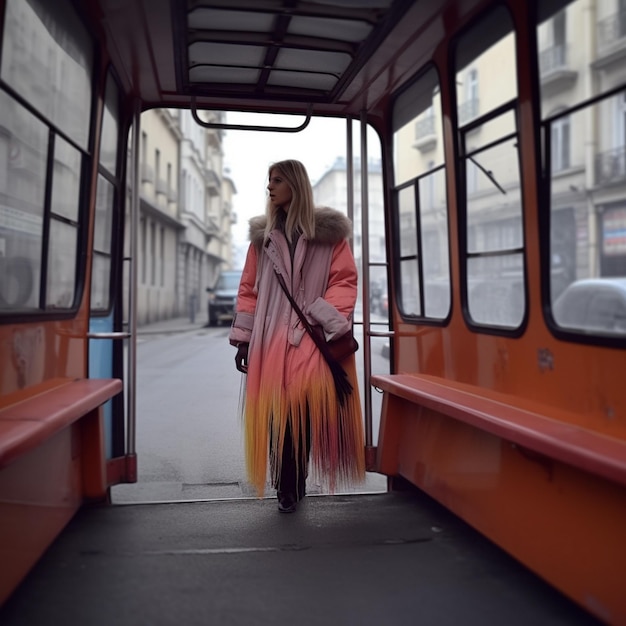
[153, 253]
[559, 38]
[560, 144]
[143, 230]
[162, 248]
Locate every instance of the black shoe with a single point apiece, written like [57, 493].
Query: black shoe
[287, 502]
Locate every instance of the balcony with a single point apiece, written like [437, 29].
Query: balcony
[211, 225]
[468, 110]
[172, 195]
[147, 173]
[161, 187]
[213, 183]
[611, 47]
[554, 69]
[610, 166]
[425, 136]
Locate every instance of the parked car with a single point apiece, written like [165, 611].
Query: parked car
[223, 297]
[593, 304]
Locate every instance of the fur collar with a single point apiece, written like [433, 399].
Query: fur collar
[331, 227]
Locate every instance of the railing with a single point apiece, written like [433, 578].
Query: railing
[161, 186]
[425, 127]
[147, 173]
[212, 181]
[610, 166]
[553, 58]
[611, 30]
[468, 110]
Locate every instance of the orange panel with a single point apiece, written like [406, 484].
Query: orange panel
[564, 524]
[39, 494]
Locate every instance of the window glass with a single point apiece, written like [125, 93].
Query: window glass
[418, 131]
[110, 127]
[494, 236]
[104, 216]
[421, 203]
[485, 61]
[100, 290]
[62, 265]
[66, 180]
[23, 155]
[586, 164]
[100, 280]
[434, 231]
[106, 201]
[408, 224]
[410, 303]
[47, 59]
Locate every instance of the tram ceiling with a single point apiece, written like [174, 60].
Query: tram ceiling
[274, 55]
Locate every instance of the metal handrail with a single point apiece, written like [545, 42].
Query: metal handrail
[112, 335]
[275, 129]
[131, 417]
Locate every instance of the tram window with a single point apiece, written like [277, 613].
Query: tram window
[583, 105]
[101, 271]
[421, 202]
[494, 238]
[105, 201]
[21, 206]
[48, 132]
[110, 127]
[47, 59]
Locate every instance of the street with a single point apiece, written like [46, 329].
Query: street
[189, 435]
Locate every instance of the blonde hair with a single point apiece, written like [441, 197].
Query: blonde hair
[301, 212]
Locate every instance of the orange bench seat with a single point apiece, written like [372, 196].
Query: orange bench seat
[31, 420]
[544, 430]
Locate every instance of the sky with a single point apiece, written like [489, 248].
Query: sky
[248, 155]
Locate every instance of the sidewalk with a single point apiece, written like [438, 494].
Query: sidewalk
[172, 325]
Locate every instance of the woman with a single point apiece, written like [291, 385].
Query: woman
[291, 408]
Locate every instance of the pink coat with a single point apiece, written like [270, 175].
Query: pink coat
[288, 378]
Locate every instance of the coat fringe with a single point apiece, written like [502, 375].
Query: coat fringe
[337, 446]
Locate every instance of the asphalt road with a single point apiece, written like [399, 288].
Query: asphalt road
[189, 436]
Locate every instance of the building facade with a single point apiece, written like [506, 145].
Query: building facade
[581, 52]
[186, 214]
[331, 190]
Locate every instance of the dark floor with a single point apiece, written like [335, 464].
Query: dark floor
[379, 559]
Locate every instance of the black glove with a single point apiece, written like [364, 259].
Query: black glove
[241, 359]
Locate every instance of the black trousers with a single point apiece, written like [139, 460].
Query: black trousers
[294, 467]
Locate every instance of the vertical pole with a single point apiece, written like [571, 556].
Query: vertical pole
[132, 303]
[365, 274]
[350, 176]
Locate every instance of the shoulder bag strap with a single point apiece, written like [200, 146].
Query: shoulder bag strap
[342, 385]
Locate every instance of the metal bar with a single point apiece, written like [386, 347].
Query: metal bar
[113, 335]
[365, 286]
[131, 416]
[382, 333]
[274, 129]
[350, 176]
